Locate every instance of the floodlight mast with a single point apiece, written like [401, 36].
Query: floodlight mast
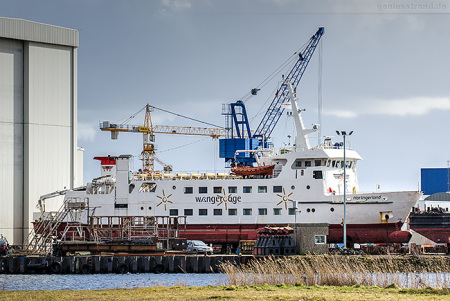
[344, 134]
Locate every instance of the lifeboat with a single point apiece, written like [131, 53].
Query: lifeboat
[253, 171]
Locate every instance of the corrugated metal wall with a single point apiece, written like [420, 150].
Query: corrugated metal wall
[11, 134]
[37, 120]
[49, 148]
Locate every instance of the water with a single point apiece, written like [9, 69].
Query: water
[106, 281]
[114, 281]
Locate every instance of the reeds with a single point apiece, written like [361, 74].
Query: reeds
[338, 270]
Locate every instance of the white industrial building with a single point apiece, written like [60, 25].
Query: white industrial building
[38, 120]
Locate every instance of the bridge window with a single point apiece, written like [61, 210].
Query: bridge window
[318, 162]
[307, 163]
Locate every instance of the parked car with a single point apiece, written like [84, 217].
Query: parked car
[4, 246]
[198, 246]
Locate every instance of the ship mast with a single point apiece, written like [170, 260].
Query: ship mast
[301, 140]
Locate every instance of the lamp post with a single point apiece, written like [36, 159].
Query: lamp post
[344, 134]
[294, 206]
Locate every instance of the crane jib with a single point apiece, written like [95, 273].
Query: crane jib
[276, 108]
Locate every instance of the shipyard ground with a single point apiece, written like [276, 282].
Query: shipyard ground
[265, 292]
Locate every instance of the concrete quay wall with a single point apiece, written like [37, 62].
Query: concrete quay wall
[116, 264]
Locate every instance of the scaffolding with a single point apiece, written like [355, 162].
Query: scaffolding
[46, 229]
[131, 228]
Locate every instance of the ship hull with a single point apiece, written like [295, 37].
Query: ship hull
[356, 233]
[233, 233]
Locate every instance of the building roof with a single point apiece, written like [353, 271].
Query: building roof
[25, 30]
[441, 197]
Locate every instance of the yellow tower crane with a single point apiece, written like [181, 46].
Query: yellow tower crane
[149, 130]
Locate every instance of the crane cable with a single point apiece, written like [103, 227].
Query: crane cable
[181, 146]
[132, 116]
[319, 95]
[277, 71]
[166, 111]
[190, 118]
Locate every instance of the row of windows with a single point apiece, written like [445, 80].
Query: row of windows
[231, 211]
[328, 163]
[308, 163]
[233, 189]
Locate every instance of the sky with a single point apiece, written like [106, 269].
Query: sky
[385, 74]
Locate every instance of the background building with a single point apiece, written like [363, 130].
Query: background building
[435, 180]
[38, 120]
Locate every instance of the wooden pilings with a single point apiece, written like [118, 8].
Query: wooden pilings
[116, 264]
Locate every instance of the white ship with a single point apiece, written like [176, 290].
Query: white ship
[267, 186]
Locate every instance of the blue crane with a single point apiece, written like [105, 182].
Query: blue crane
[237, 121]
[275, 109]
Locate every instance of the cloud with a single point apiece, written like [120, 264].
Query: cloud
[177, 5]
[86, 131]
[416, 106]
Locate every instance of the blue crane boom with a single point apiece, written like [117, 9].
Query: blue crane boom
[275, 109]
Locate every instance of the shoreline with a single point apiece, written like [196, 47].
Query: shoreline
[231, 292]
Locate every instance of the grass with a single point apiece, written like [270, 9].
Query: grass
[338, 270]
[259, 292]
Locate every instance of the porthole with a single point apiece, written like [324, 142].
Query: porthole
[308, 210]
[313, 210]
[174, 187]
[292, 187]
[149, 208]
[308, 187]
[332, 209]
[142, 208]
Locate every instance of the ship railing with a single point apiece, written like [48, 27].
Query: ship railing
[201, 175]
[328, 145]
